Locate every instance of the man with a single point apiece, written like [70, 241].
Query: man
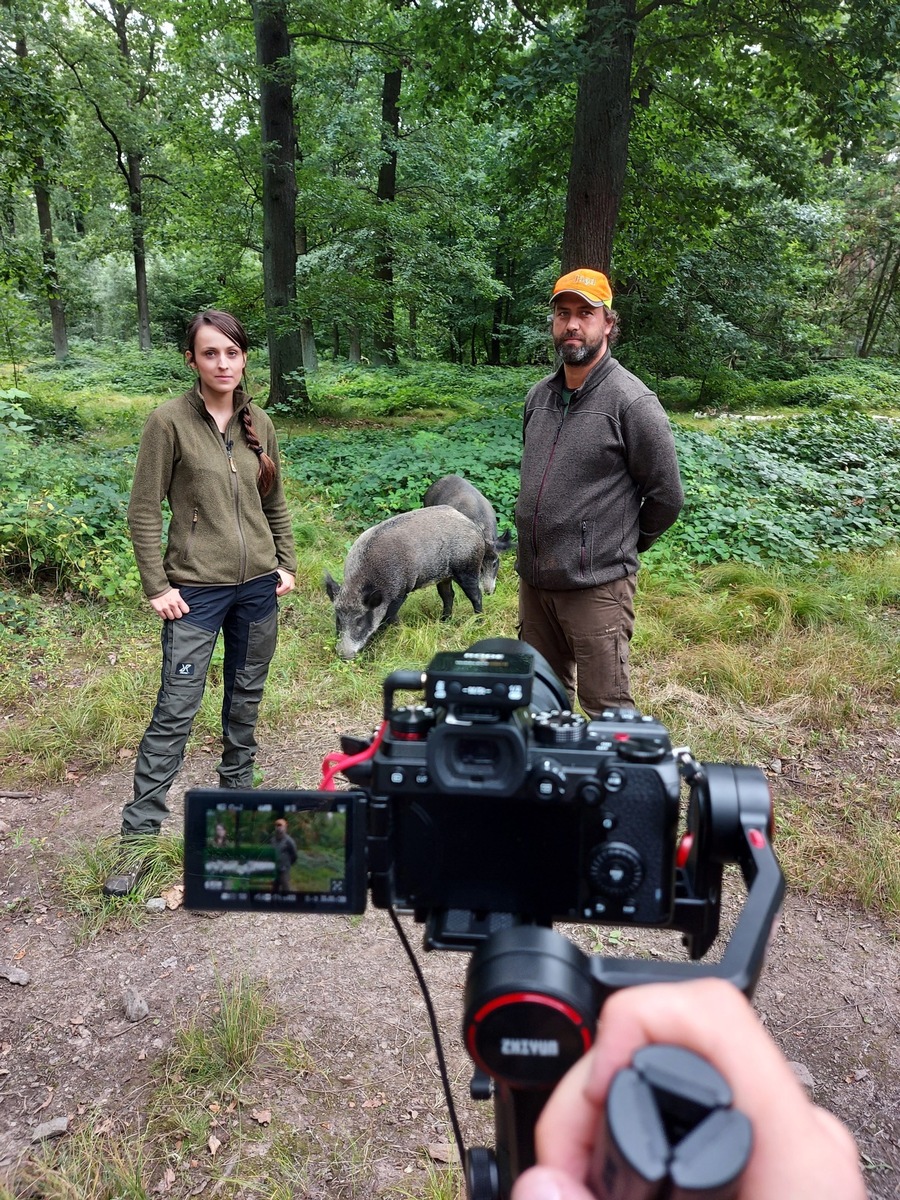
[285, 857]
[599, 483]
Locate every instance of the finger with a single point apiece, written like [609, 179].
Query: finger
[566, 1129]
[545, 1183]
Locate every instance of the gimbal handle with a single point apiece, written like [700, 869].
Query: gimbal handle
[532, 998]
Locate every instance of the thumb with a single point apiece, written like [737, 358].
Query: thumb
[547, 1183]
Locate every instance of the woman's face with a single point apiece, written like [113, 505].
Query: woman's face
[218, 361]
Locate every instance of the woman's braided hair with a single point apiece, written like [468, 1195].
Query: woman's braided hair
[232, 329]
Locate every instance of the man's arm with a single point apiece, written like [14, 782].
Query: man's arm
[653, 465]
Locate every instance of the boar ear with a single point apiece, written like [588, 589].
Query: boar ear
[331, 588]
[504, 542]
[372, 596]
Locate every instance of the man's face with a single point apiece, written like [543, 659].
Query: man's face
[579, 330]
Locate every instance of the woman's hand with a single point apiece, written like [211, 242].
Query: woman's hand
[799, 1151]
[169, 606]
[287, 583]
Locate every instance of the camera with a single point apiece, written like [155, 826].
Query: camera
[495, 802]
[490, 812]
[484, 805]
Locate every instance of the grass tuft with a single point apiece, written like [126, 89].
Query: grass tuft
[219, 1048]
[84, 870]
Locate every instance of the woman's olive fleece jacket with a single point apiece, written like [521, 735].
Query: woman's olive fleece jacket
[222, 531]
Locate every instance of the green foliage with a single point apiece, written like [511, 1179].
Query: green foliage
[415, 388]
[64, 522]
[855, 386]
[370, 476]
[99, 367]
[788, 491]
[46, 417]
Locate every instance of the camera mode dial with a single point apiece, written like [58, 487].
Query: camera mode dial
[559, 729]
[617, 870]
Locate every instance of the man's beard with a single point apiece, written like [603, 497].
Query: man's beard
[575, 355]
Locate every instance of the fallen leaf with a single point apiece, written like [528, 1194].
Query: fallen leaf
[165, 1184]
[174, 896]
[213, 1144]
[262, 1116]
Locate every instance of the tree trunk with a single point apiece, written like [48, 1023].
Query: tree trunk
[307, 334]
[354, 350]
[600, 143]
[385, 339]
[885, 290]
[138, 250]
[276, 111]
[48, 254]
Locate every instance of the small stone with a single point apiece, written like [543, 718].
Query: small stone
[15, 975]
[50, 1129]
[136, 1007]
[804, 1075]
[155, 904]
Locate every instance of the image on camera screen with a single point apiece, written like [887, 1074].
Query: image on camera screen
[295, 851]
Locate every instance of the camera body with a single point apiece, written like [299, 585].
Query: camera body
[486, 805]
[493, 808]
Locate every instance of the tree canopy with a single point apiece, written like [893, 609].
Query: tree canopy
[387, 180]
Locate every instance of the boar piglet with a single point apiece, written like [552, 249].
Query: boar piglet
[387, 562]
[464, 496]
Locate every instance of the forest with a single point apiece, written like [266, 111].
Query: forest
[382, 183]
[384, 192]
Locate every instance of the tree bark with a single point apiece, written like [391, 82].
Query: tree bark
[385, 339]
[307, 333]
[48, 254]
[138, 249]
[276, 110]
[600, 143]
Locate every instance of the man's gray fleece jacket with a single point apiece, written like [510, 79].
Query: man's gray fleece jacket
[599, 481]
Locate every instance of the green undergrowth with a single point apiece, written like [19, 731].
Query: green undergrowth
[85, 868]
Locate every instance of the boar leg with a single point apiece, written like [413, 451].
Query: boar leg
[445, 591]
[471, 585]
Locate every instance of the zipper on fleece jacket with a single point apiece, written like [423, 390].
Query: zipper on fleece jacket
[236, 499]
[537, 503]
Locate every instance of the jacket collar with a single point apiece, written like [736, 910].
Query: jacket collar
[195, 399]
[596, 376]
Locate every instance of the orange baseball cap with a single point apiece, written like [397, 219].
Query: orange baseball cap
[592, 286]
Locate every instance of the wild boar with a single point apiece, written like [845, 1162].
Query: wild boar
[465, 496]
[390, 560]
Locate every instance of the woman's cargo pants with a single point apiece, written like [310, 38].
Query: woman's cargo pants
[247, 615]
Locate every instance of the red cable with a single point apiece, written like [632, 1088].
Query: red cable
[332, 763]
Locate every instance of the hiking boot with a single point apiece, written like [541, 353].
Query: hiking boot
[131, 871]
[125, 882]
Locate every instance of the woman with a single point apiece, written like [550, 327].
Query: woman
[213, 456]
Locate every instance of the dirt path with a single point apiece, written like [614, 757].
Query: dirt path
[829, 994]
